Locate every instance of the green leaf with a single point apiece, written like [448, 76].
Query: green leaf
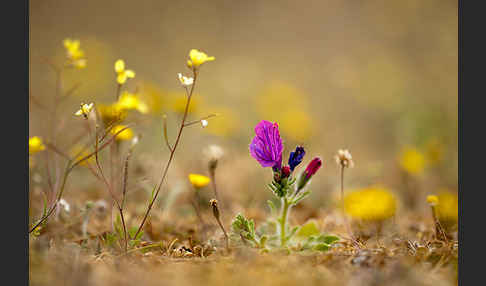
[111, 238]
[322, 247]
[118, 227]
[292, 232]
[263, 241]
[300, 197]
[308, 229]
[273, 208]
[132, 231]
[328, 239]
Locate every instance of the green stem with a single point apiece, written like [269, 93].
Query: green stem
[285, 206]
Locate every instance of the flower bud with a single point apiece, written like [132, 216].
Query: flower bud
[285, 171]
[296, 157]
[311, 169]
[214, 205]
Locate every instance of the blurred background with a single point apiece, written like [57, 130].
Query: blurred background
[376, 77]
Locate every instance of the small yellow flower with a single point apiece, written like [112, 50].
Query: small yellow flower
[432, 200]
[74, 54]
[84, 110]
[185, 81]
[197, 58]
[126, 134]
[412, 161]
[370, 204]
[128, 101]
[199, 181]
[447, 209]
[35, 145]
[122, 73]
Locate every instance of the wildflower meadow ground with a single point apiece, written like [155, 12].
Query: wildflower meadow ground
[216, 169]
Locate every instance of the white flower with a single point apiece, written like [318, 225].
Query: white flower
[344, 158]
[84, 110]
[185, 81]
[213, 152]
[135, 141]
[65, 205]
[204, 123]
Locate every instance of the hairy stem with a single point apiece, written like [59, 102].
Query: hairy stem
[285, 207]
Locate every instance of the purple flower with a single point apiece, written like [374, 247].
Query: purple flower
[312, 168]
[266, 147]
[296, 157]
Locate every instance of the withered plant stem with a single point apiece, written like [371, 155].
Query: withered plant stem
[69, 167]
[346, 222]
[172, 152]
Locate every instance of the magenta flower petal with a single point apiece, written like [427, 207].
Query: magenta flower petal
[266, 147]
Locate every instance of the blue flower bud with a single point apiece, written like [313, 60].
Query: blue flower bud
[296, 157]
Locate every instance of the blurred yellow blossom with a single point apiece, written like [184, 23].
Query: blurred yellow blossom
[296, 124]
[129, 101]
[78, 152]
[35, 145]
[447, 209]
[122, 73]
[432, 200]
[84, 110]
[111, 113]
[153, 96]
[199, 181]
[225, 123]
[126, 134]
[197, 58]
[412, 161]
[370, 204]
[294, 119]
[178, 102]
[74, 54]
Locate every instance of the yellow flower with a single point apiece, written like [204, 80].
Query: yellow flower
[35, 145]
[432, 200]
[84, 110]
[122, 73]
[153, 96]
[111, 113]
[199, 181]
[129, 101]
[370, 204]
[197, 58]
[74, 54]
[412, 161]
[126, 134]
[447, 209]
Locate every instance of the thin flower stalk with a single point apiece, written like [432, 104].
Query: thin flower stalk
[69, 167]
[172, 152]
